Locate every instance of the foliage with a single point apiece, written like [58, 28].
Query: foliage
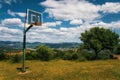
[75, 56]
[66, 54]
[89, 55]
[2, 56]
[59, 54]
[117, 49]
[86, 54]
[70, 56]
[31, 55]
[104, 54]
[16, 58]
[45, 53]
[99, 39]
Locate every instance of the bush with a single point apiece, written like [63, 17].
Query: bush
[104, 54]
[31, 56]
[82, 58]
[67, 56]
[70, 56]
[87, 54]
[59, 54]
[117, 49]
[75, 56]
[2, 56]
[45, 53]
[16, 58]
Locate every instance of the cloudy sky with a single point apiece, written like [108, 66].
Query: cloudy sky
[63, 20]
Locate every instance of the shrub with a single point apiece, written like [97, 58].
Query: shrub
[59, 54]
[16, 58]
[75, 56]
[45, 53]
[117, 49]
[31, 56]
[87, 54]
[2, 56]
[67, 56]
[70, 56]
[104, 54]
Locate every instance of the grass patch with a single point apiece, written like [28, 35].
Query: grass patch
[62, 70]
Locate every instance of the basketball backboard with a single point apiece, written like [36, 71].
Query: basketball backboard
[34, 18]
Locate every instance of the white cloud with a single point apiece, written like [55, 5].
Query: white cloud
[76, 21]
[9, 2]
[20, 14]
[75, 11]
[16, 13]
[8, 34]
[12, 22]
[110, 7]
[11, 13]
[115, 24]
[52, 24]
[51, 34]
[71, 9]
[9, 30]
[78, 9]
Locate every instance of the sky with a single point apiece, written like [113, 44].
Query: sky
[63, 20]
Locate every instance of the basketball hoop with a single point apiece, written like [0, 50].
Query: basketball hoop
[34, 18]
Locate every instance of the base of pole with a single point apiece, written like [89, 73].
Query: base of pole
[23, 70]
[27, 72]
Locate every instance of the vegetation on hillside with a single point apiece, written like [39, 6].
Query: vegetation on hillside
[98, 39]
[98, 43]
[46, 63]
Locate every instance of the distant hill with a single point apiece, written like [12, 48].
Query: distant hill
[19, 45]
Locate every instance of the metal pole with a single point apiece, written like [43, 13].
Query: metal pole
[24, 43]
[24, 47]
[24, 40]
[24, 51]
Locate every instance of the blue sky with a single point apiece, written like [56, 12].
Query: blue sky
[64, 20]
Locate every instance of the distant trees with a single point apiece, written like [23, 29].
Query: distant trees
[98, 43]
[45, 53]
[98, 39]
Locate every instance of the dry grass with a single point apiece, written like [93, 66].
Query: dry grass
[62, 70]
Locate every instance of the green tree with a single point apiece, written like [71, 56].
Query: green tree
[45, 53]
[117, 49]
[99, 39]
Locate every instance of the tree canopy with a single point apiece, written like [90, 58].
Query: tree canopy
[99, 39]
